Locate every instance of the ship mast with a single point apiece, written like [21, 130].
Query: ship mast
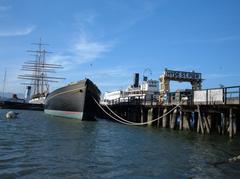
[4, 82]
[39, 77]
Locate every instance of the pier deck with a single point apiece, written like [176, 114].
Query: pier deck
[205, 111]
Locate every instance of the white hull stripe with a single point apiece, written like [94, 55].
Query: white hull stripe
[68, 114]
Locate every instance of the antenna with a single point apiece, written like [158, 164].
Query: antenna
[145, 71]
[4, 82]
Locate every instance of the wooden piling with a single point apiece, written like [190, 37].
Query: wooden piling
[209, 120]
[159, 121]
[165, 118]
[230, 129]
[200, 122]
[142, 115]
[218, 122]
[150, 116]
[133, 114]
[195, 119]
[223, 123]
[206, 124]
[234, 124]
[186, 124]
[181, 120]
[173, 119]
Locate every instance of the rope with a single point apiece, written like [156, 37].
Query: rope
[124, 121]
[110, 114]
[143, 123]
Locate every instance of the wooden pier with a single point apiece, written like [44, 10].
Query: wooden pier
[216, 112]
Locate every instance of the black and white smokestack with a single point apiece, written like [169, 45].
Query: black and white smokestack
[28, 93]
[136, 80]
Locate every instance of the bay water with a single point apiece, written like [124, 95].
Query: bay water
[36, 145]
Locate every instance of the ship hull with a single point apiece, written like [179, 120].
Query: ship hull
[74, 101]
[20, 105]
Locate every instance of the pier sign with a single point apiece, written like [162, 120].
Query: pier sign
[182, 75]
[209, 96]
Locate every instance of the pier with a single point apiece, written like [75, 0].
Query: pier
[206, 111]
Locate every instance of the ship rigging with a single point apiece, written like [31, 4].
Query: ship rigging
[39, 78]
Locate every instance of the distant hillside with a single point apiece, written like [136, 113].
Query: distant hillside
[9, 95]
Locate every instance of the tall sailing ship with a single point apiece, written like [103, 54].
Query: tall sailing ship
[38, 87]
[76, 100]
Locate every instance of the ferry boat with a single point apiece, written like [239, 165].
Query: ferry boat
[74, 101]
[17, 103]
[148, 91]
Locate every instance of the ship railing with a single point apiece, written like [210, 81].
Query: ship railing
[135, 100]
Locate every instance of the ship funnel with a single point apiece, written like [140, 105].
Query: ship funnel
[28, 93]
[145, 78]
[136, 80]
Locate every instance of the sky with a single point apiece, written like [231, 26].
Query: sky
[109, 40]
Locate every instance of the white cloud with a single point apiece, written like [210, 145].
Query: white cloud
[113, 85]
[84, 18]
[217, 76]
[87, 51]
[16, 32]
[227, 38]
[110, 79]
[210, 40]
[81, 52]
[86, 47]
[115, 72]
[4, 8]
[60, 59]
[4, 11]
[128, 14]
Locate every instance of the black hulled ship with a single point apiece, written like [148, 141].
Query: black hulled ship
[74, 101]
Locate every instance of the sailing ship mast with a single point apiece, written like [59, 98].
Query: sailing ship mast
[4, 82]
[39, 77]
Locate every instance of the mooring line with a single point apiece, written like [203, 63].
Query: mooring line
[143, 123]
[126, 122]
[110, 114]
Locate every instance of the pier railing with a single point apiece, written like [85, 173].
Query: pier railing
[232, 95]
[213, 96]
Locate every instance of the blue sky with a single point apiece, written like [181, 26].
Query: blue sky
[109, 40]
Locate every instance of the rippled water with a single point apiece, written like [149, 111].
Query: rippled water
[39, 146]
